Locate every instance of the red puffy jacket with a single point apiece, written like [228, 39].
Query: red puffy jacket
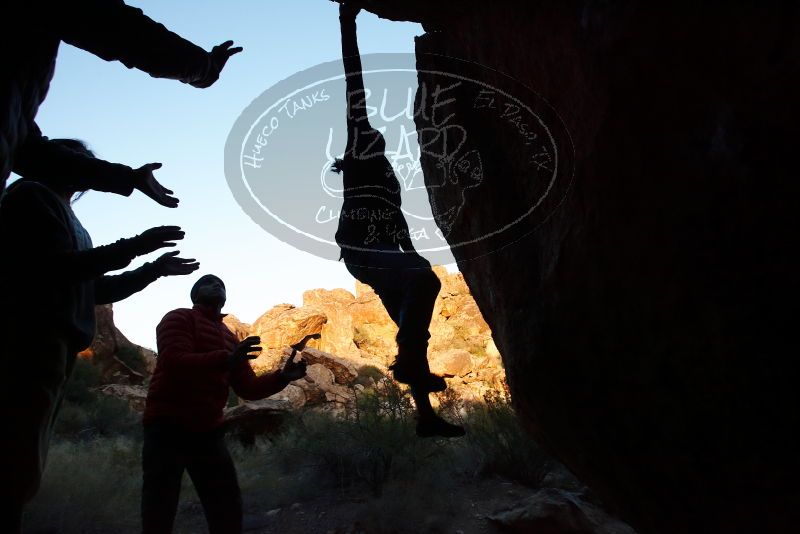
[190, 384]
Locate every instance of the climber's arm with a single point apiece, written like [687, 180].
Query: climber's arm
[356, 97]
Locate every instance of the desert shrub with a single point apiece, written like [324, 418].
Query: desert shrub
[85, 413]
[132, 357]
[369, 376]
[88, 487]
[497, 444]
[369, 448]
[372, 442]
[85, 375]
[103, 416]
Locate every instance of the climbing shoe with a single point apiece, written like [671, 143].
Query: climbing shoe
[437, 427]
[424, 381]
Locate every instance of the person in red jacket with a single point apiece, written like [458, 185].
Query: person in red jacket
[199, 358]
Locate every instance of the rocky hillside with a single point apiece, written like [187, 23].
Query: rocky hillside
[357, 341]
[120, 361]
[355, 346]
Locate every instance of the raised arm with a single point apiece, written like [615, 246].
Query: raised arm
[112, 30]
[351, 58]
[109, 289]
[52, 163]
[249, 386]
[36, 232]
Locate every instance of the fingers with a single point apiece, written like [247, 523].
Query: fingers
[225, 48]
[250, 341]
[148, 185]
[158, 237]
[165, 233]
[167, 201]
[165, 190]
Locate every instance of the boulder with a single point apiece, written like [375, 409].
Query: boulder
[282, 326]
[344, 371]
[135, 396]
[320, 386]
[240, 330]
[337, 332]
[285, 325]
[254, 418]
[556, 511]
[644, 308]
[293, 395]
[119, 360]
[451, 363]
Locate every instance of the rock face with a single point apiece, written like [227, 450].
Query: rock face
[356, 337]
[236, 326]
[282, 326]
[645, 322]
[119, 360]
[555, 511]
[135, 396]
[250, 419]
[356, 332]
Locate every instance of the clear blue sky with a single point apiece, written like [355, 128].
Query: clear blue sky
[128, 117]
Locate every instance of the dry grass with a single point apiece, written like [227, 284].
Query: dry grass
[93, 485]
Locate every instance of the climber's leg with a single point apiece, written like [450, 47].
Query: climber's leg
[429, 424]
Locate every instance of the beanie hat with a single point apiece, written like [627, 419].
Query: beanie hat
[202, 280]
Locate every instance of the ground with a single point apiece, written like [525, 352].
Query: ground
[463, 509]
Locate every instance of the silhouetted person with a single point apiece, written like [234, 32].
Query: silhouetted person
[52, 279]
[377, 248]
[32, 32]
[198, 359]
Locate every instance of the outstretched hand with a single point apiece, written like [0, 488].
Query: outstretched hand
[248, 349]
[170, 265]
[218, 56]
[293, 370]
[156, 238]
[144, 181]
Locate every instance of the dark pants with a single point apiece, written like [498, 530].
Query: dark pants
[407, 287]
[30, 396]
[167, 451]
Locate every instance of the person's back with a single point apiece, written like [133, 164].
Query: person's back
[371, 216]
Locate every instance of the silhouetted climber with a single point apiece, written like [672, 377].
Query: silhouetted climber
[53, 278]
[375, 241]
[198, 359]
[32, 32]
